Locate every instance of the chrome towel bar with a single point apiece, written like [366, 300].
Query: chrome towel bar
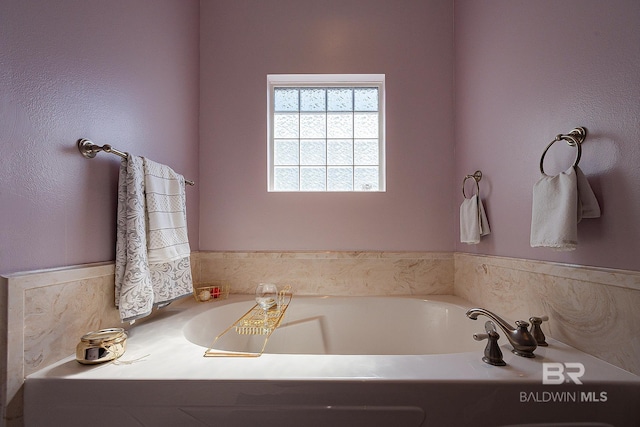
[89, 150]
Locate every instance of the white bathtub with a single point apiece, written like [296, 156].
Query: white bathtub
[347, 325]
[338, 361]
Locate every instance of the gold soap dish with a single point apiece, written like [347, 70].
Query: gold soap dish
[255, 322]
[211, 291]
[101, 346]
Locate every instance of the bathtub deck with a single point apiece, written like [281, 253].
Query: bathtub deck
[169, 382]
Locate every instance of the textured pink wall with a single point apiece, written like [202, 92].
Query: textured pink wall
[409, 41]
[119, 72]
[125, 73]
[528, 70]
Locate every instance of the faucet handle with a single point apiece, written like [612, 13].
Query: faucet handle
[536, 330]
[492, 352]
[521, 324]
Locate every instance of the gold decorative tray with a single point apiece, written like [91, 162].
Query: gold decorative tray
[255, 322]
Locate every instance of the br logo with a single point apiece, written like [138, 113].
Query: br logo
[559, 373]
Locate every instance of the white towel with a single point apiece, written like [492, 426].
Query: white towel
[588, 206]
[559, 203]
[167, 226]
[473, 220]
[554, 223]
[149, 276]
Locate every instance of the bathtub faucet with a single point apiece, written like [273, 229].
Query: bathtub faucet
[520, 338]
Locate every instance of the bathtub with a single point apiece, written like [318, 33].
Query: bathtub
[347, 325]
[339, 361]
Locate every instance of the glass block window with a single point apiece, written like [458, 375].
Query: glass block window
[326, 132]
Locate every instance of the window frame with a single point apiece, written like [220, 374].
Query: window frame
[326, 81]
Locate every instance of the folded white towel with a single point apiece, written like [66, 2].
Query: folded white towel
[588, 206]
[142, 282]
[554, 222]
[166, 210]
[473, 220]
[559, 203]
[484, 223]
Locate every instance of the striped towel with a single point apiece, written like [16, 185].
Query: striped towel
[153, 264]
[166, 210]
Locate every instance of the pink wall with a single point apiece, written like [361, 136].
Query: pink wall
[125, 73]
[528, 70]
[119, 72]
[409, 41]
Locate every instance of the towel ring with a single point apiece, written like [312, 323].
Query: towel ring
[477, 176]
[574, 139]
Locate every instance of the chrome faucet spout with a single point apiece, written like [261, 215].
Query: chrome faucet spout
[504, 325]
[520, 338]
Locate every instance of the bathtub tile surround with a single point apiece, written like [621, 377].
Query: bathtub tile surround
[46, 313]
[589, 308]
[80, 305]
[81, 298]
[592, 309]
[334, 273]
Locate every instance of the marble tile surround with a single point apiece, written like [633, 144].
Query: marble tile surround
[78, 299]
[333, 273]
[595, 310]
[592, 309]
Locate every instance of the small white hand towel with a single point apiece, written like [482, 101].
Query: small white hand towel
[588, 206]
[473, 221]
[484, 223]
[554, 220]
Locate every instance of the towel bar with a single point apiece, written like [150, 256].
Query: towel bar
[89, 150]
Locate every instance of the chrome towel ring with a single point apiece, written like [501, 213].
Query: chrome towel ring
[574, 139]
[477, 176]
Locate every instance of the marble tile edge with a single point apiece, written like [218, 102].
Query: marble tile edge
[56, 276]
[325, 255]
[626, 279]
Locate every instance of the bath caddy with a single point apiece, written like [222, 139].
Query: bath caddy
[211, 291]
[255, 322]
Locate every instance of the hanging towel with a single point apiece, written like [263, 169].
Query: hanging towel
[167, 226]
[588, 206]
[473, 220]
[559, 204]
[554, 219]
[153, 264]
